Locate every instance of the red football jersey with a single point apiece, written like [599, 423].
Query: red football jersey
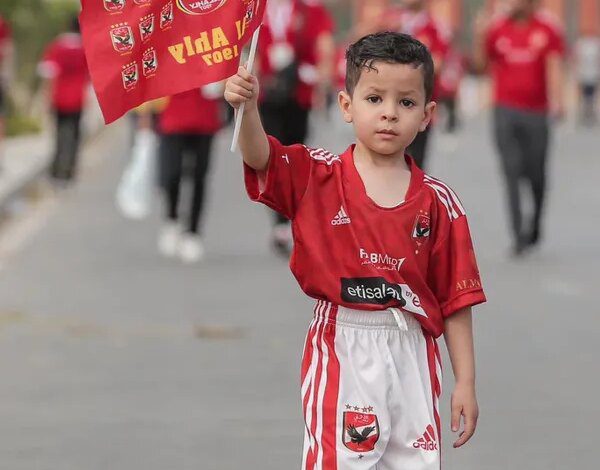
[423, 27]
[417, 256]
[518, 55]
[64, 62]
[296, 26]
[191, 112]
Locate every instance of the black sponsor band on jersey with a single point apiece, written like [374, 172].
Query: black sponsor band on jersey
[371, 290]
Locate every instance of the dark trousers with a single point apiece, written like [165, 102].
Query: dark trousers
[172, 152]
[449, 105]
[288, 122]
[68, 134]
[522, 139]
[418, 148]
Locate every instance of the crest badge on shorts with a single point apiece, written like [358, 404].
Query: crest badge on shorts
[361, 431]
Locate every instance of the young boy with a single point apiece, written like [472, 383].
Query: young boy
[386, 252]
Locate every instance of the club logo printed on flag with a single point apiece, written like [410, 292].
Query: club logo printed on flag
[149, 63]
[122, 38]
[130, 76]
[361, 431]
[114, 6]
[199, 7]
[166, 16]
[158, 50]
[146, 27]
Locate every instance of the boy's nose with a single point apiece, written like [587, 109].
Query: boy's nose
[390, 115]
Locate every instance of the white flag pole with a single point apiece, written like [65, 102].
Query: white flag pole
[240, 112]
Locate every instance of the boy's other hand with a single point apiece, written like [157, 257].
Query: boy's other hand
[464, 403]
[242, 88]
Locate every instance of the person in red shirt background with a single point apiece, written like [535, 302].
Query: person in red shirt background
[64, 64]
[295, 62]
[5, 49]
[449, 83]
[413, 17]
[523, 49]
[187, 126]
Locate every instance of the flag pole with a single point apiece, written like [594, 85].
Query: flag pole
[240, 112]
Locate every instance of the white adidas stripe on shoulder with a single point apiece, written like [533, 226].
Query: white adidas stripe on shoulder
[323, 155]
[446, 196]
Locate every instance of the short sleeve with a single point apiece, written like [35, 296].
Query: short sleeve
[556, 43]
[453, 273]
[283, 184]
[49, 67]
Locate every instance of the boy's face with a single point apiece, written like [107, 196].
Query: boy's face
[387, 108]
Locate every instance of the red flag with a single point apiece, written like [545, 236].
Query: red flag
[139, 50]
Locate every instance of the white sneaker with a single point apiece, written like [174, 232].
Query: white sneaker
[191, 249]
[168, 239]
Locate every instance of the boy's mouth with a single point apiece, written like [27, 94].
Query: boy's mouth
[387, 132]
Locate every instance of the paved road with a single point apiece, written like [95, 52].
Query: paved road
[113, 358]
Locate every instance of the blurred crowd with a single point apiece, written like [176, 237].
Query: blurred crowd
[301, 65]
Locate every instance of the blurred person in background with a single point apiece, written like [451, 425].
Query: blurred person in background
[187, 127]
[296, 65]
[449, 81]
[65, 66]
[587, 61]
[523, 49]
[413, 17]
[5, 67]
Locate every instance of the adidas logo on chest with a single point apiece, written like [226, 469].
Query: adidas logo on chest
[341, 218]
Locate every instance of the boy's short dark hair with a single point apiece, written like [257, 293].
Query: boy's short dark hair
[391, 48]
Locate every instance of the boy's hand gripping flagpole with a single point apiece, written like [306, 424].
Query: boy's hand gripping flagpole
[239, 115]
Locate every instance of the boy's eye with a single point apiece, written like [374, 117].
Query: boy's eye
[407, 103]
[373, 99]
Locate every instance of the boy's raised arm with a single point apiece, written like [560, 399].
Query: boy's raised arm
[254, 145]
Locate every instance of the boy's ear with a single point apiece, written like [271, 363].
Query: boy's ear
[429, 109]
[345, 103]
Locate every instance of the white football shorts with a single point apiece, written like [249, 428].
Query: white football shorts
[371, 382]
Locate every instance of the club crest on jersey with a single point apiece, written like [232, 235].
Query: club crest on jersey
[199, 7]
[361, 431]
[149, 62]
[114, 6]
[166, 16]
[422, 228]
[130, 76]
[122, 38]
[147, 27]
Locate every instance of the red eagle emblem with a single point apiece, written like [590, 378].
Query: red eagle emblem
[114, 5]
[147, 27]
[130, 76]
[122, 38]
[422, 228]
[166, 16]
[361, 431]
[149, 62]
[199, 7]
